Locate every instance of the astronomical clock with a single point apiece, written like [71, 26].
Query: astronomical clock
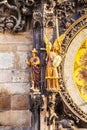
[73, 79]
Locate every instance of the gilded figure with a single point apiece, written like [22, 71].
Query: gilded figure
[35, 64]
[53, 60]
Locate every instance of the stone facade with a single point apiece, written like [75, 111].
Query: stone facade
[23, 24]
[14, 80]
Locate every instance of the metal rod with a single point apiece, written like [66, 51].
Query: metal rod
[57, 27]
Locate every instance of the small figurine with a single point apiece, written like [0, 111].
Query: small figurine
[34, 63]
[53, 60]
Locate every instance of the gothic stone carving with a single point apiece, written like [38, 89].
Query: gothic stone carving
[13, 14]
[67, 15]
[49, 16]
[37, 19]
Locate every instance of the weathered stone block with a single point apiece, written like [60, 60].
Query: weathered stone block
[5, 76]
[14, 76]
[21, 63]
[15, 118]
[6, 60]
[5, 102]
[19, 102]
[20, 76]
[14, 88]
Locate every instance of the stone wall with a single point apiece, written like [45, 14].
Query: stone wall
[14, 79]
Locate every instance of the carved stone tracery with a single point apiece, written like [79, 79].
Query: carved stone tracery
[49, 16]
[14, 14]
[19, 10]
[37, 18]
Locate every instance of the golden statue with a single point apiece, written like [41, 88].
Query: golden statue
[34, 63]
[53, 60]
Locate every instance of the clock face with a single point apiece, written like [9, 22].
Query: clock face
[75, 70]
[80, 70]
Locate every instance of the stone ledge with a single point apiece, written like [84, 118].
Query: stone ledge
[24, 48]
[16, 47]
[7, 47]
[21, 38]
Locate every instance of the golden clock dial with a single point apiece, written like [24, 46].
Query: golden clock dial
[80, 70]
[75, 70]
